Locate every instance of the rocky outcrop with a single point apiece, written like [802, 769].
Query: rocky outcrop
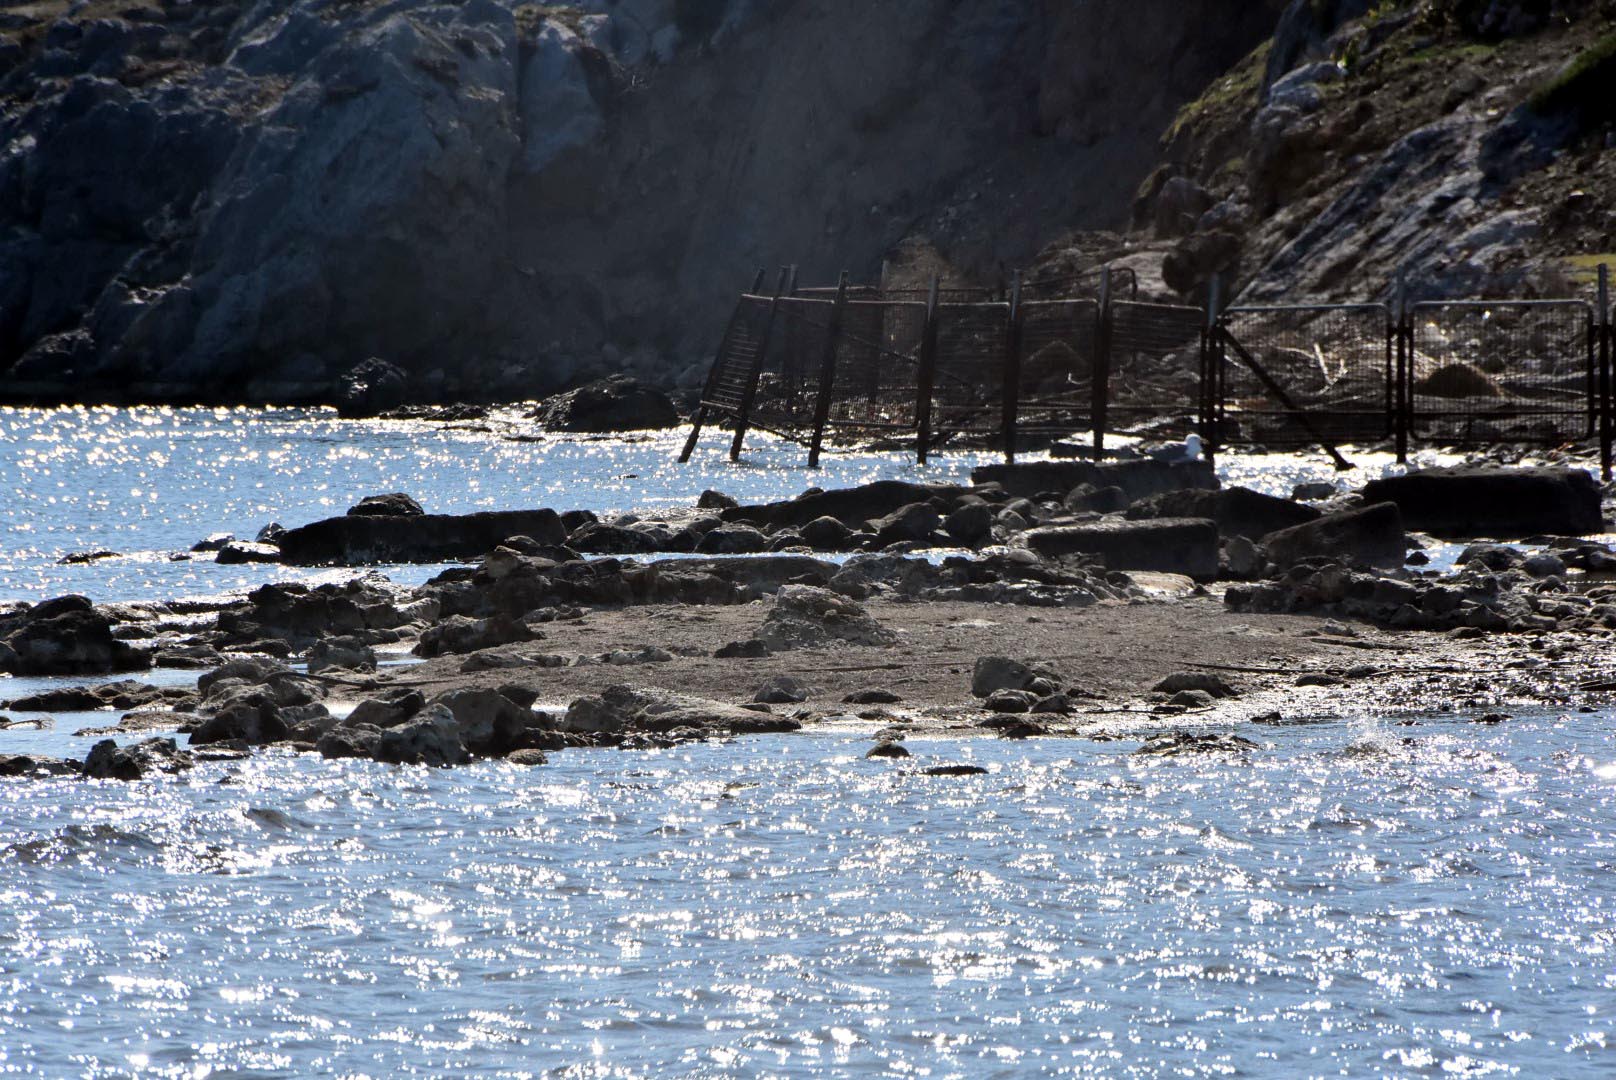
[358, 540]
[67, 635]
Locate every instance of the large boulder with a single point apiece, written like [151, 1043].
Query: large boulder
[489, 723]
[431, 738]
[65, 636]
[1369, 536]
[914, 523]
[1165, 545]
[616, 403]
[1137, 479]
[1237, 511]
[370, 388]
[1480, 501]
[422, 538]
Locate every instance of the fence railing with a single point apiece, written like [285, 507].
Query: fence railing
[959, 365]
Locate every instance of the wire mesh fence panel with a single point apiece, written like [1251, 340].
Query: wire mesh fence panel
[1334, 364]
[1058, 366]
[973, 346]
[739, 356]
[788, 385]
[877, 360]
[1510, 371]
[1155, 364]
[1087, 284]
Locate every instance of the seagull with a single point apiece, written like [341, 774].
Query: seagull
[1188, 450]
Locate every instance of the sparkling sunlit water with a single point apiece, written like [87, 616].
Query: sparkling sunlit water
[1356, 898]
[1344, 904]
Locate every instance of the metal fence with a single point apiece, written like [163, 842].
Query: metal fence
[968, 366]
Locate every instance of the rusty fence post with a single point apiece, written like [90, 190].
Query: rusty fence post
[1212, 365]
[699, 416]
[827, 373]
[743, 416]
[1012, 373]
[1403, 329]
[1100, 370]
[1607, 346]
[926, 374]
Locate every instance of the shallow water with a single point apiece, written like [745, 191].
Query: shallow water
[1344, 903]
[1341, 904]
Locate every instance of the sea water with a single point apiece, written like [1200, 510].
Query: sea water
[1355, 896]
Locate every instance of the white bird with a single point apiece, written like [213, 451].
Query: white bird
[1188, 450]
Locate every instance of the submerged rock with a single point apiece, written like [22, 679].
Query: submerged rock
[1178, 743]
[109, 761]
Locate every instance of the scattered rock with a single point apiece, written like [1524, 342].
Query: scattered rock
[1011, 701]
[872, 696]
[1174, 744]
[1206, 682]
[750, 649]
[458, 634]
[346, 653]
[239, 552]
[888, 750]
[37, 766]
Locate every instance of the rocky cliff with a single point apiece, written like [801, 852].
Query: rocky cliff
[1467, 147]
[244, 198]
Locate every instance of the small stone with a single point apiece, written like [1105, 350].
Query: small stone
[1318, 678]
[527, 756]
[888, 750]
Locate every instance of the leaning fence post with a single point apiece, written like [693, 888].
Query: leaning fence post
[699, 416]
[926, 376]
[743, 415]
[1607, 345]
[827, 373]
[1402, 418]
[1012, 372]
[1100, 371]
